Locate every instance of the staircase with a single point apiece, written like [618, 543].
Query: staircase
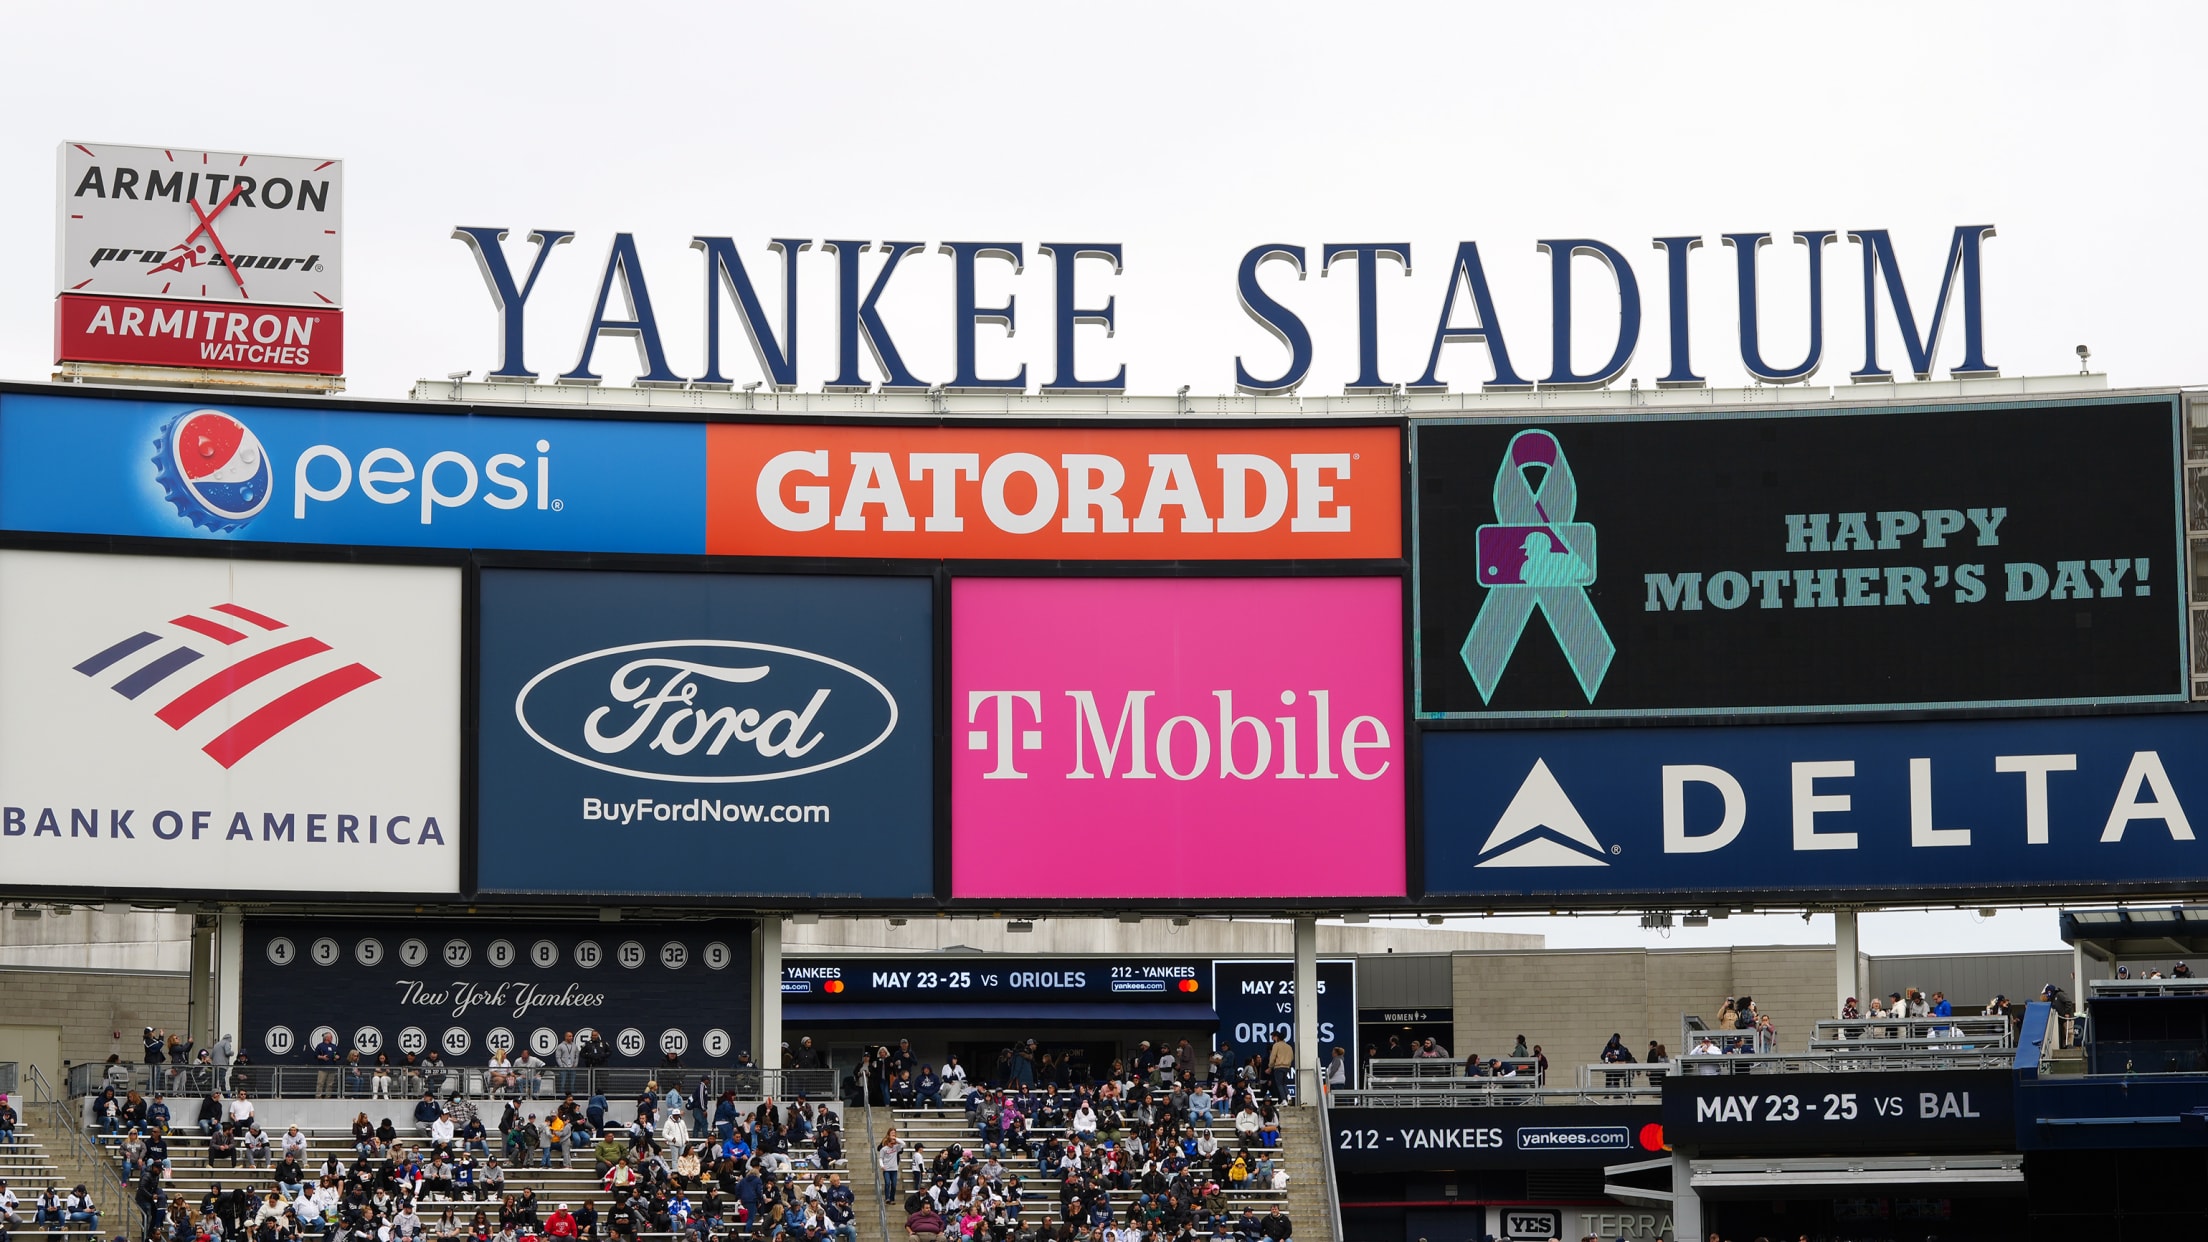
[1303, 1144]
[866, 1180]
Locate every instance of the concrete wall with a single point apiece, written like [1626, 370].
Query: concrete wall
[1972, 979]
[1403, 981]
[1570, 1001]
[90, 1006]
[113, 937]
[1203, 937]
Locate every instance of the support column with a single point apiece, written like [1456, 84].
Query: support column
[1843, 959]
[766, 1007]
[1308, 1060]
[199, 1017]
[1686, 1206]
[229, 977]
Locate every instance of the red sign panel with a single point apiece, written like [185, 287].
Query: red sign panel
[153, 332]
[1055, 493]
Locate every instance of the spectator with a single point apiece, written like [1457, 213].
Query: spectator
[326, 1058]
[886, 1153]
[566, 1055]
[221, 1055]
[1429, 1050]
[212, 1112]
[1282, 1063]
[1337, 1070]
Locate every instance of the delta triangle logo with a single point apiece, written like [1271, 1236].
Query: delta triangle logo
[1554, 834]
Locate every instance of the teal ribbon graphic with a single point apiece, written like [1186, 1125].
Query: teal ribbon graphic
[1509, 605]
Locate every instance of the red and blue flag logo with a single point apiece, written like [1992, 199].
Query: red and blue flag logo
[227, 655]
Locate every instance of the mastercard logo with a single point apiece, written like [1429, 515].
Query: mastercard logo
[832, 986]
[1652, 1137]
[1188, 985]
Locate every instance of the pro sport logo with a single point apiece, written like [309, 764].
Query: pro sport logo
[255, 663]
[212, 468]
[1541, 828]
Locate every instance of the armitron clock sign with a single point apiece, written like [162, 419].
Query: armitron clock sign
[204, 259]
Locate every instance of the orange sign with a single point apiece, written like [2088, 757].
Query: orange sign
[1055, 493]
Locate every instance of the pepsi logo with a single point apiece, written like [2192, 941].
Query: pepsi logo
[212, 468]
[706, 711]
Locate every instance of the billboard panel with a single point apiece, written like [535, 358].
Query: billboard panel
[1057, 493]
[1256, 1000]
[1835, 1114]
[706, 735]
[858, 980]
[204, 725]
[1084, 709]
[1628, 566]
[1517, 1136]
[268, 474]
[220, 226]
[1968, 809]
[407, 985]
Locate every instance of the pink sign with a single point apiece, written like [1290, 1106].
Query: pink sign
[1163, 738]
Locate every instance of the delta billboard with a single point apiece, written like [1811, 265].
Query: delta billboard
[1952, 809]
[708, 735]
[202, 725]
[1088, 713]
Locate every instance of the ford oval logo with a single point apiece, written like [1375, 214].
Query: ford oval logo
[706, 711]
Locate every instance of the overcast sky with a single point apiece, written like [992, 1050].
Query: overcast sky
[1187, 133]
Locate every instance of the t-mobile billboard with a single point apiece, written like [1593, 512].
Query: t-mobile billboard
[1083, 709]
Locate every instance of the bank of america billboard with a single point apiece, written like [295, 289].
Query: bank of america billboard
[707, 735]
[204, 725]
[1612, 567]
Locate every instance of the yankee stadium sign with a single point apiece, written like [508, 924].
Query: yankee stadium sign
[1467, 313]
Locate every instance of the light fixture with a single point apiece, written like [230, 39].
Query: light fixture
[1020, 925]
[2085, 358]
[1696, 920]
[1130, 918]
[1987, 912]
[805, 918]
[1357, 918]
[897, 922]
[1436, 919]
[1180, 920]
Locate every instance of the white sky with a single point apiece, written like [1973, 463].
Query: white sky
[1188, 133]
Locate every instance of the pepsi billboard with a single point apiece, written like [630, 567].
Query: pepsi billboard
[706, 735]
[1954, 809]
[281, 474]
[2000, 554]
[468, 987]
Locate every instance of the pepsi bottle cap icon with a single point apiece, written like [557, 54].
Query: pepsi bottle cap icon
[212, 469]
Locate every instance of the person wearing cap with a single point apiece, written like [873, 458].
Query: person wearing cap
[561, 1224]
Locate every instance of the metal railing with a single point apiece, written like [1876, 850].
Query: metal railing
[1912, 1034]
[1695, 1030]
[873, 1158]
[1485, 1092]
[1326, 1160]
[1868, 1062]
[279, 1082]
[115, 1190]
[1413, 1072]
